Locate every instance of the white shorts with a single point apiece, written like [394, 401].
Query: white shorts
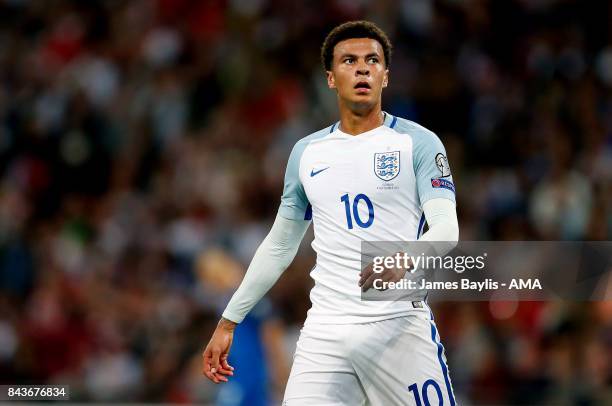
[398, 361]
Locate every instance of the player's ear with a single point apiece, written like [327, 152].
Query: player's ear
[331, 82]
[386, 78]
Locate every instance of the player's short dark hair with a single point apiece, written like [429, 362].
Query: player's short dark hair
[354, 29]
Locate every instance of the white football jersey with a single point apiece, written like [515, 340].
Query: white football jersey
[368, 187]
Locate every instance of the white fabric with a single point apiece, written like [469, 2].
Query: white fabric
[280, 246]
[441, 216]
[379, 363]
[353, 201]
[273, 256]
[380, 185]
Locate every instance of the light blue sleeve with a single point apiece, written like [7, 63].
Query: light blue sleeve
[294, 203]
[431, 168]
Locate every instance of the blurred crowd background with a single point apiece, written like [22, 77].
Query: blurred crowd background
[142, 152]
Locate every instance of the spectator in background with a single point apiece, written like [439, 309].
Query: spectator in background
[258, 340]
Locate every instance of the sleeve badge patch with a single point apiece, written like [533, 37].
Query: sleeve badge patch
[443, 183]
[442, 164]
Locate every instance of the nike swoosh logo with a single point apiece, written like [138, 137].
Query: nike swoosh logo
[313, 172]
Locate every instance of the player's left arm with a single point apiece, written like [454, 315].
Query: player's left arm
[270, 260]
[441, 217]
[436, 192]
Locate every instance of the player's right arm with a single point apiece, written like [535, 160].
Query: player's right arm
[273, 256]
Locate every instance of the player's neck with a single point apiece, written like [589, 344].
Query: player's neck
[355, 123]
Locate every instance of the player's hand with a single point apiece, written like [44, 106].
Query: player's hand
[215, 355]
[367, 276]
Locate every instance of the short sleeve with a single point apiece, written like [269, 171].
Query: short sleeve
[294, 203]
[431, 168]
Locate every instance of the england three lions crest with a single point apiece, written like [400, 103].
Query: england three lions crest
[387, 165]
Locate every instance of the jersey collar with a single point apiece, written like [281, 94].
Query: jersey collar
[388, 121]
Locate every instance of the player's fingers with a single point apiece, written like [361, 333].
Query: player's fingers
[211, 376]
[225, 364]
[369, 282]
[208, 373]
[364, 275]
[224, 371]
[216, 353]
[205, 362]
[207, 367]
[219, 372]
[389, 276]
[399, 273]
[220, 378]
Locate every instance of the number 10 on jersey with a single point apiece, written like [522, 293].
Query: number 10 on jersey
[355, 212]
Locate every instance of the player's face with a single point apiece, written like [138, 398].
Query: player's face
[358, 72]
